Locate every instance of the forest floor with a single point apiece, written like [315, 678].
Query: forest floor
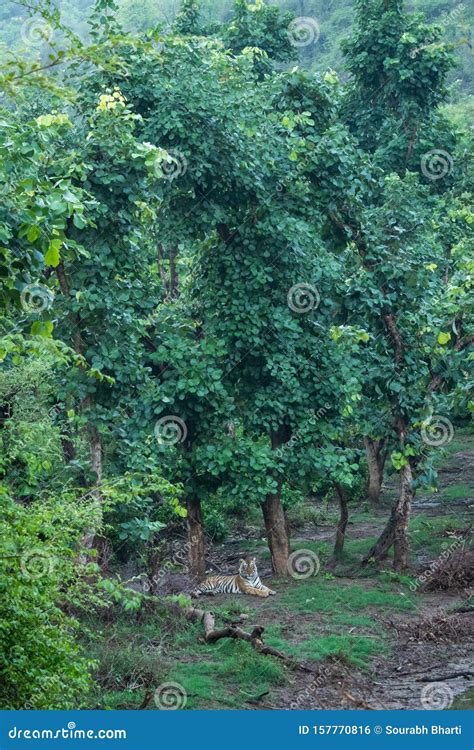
[371, 638]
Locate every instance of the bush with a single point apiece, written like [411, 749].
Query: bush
[42, 666]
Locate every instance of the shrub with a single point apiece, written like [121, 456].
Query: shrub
[42, 666]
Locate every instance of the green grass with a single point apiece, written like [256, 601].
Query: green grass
[429, 534]
[457, 492]
[361, 516]
[356, 548]
[231, 673]
[316, 595]
[356, 621]
[356, 650]
[463, 440]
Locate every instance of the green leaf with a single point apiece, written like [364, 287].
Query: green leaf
[443, 338]
[32, 234]
[42, 328]
[52, 256]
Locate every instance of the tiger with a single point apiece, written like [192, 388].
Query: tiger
[247, 581]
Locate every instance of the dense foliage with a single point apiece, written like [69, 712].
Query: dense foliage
[319, 46]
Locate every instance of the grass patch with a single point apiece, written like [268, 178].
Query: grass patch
[233, 672]
[354, 649]
[304, 514]
[457, 492]
[463, 440]
[322, 549]
[356, 621]
[390, 576]
[330, 597]
[223, 675]
[429, 534]
[361, 516]
[354, 549]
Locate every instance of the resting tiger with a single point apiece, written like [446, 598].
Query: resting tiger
[247, 581]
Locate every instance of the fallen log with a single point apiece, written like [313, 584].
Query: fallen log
[233, 630]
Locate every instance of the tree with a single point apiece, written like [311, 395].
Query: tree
[384, 238]
[263, 26]
[187, 18]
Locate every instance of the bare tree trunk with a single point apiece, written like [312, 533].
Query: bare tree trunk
[381, 547]
[396, 531]
[274, 516]
[343, 519]
[96, 511]
[401, 542]
[68, 448]
[376, 455]
[277, 536]
[196, 544]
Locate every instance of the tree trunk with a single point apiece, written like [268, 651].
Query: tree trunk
[277, 536]
[376, 455]
[96, 495]
[68, 448]
[196, 546]
[381, 547]
[401, 543]
[343, 519]
[274, 516]
[396, 531]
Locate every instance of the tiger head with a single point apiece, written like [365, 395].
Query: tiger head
[248, 568]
